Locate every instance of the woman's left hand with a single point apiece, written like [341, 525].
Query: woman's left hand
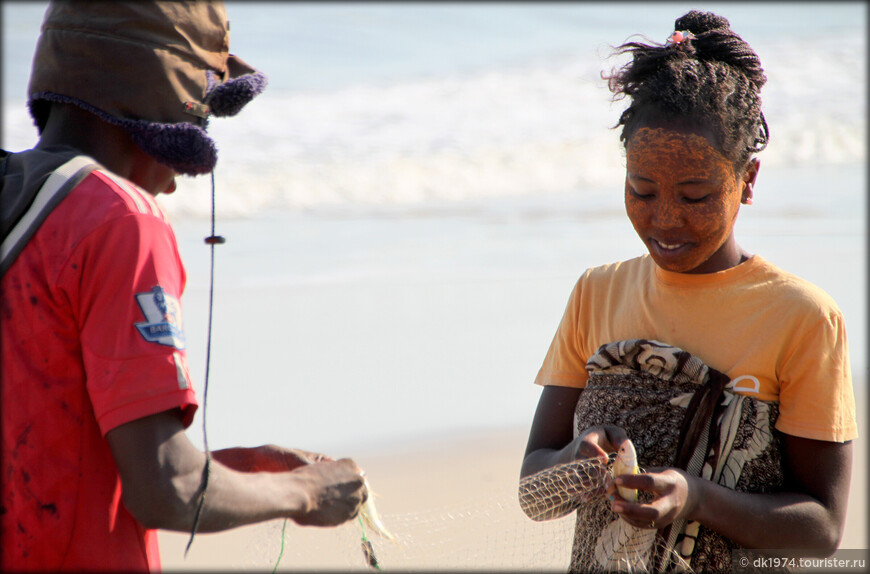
[671, 488]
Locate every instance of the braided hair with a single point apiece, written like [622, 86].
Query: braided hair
[710, 80]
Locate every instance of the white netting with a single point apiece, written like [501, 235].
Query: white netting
[491, 532]
[560, 519]
[556, 491]
[603, 542]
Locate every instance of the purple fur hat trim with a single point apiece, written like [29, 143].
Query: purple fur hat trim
[227, 99]
[184, 147]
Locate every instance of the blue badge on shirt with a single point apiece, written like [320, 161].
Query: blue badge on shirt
[163, 318]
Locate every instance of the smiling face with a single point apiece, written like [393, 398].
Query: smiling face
[682, 197]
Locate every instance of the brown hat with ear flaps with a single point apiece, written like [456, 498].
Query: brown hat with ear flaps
[157, 69]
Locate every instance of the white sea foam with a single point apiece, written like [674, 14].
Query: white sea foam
[519, 125]
[538, 129]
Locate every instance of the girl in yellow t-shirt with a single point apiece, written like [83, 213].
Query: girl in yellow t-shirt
[773, 343]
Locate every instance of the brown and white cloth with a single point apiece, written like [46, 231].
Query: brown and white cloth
[678, 412]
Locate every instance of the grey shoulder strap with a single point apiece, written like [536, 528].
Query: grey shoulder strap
[55, 188]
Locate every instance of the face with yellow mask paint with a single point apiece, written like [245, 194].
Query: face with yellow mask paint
[682, 197]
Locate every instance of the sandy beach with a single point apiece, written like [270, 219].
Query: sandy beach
[451, 503]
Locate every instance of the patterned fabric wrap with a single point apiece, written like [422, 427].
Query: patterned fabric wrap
[645, 387]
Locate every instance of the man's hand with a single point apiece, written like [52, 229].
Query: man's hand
[161, 476]
[336, 492]
[267, 458]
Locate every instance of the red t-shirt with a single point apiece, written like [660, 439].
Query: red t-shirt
[91, 339]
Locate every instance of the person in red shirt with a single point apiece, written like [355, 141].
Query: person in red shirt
[96, 393]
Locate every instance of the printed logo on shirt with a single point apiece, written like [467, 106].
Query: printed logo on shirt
[163, 318]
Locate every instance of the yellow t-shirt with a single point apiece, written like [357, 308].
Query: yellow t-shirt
[777, 336]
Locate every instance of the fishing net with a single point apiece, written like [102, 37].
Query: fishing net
[560, 519]
[486, 533]
[603, 542]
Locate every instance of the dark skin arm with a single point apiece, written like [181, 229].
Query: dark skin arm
[551, 440]
[160, 469]
[161, 473]
[808, 514]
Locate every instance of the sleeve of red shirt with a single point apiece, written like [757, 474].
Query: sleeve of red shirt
[132, 371]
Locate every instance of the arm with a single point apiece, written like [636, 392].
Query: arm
[161, 473]
[551, 439]
[808, 514]
[544, 495]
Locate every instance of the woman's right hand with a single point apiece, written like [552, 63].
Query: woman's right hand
[595, 442]
[335, 492]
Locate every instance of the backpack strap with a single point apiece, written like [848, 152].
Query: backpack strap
[61, 181]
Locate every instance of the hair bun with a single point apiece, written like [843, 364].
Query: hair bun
[699, 22]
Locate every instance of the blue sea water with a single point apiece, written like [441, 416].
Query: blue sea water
[329, 45]
[398, 103]
[411, 199]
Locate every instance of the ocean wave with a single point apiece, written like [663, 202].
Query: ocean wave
[536, 128]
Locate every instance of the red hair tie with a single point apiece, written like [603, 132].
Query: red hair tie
[680, 36]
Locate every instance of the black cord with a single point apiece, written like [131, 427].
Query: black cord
[211, 241]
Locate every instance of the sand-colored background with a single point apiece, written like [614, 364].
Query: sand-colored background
[451, 503]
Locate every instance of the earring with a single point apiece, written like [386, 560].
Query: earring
[747, 195]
